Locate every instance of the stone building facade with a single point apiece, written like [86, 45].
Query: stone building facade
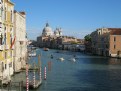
[6, 39]
[20, 52]
[102, 41]
[115, 43]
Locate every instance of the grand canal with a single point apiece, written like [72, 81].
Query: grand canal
[88, 73]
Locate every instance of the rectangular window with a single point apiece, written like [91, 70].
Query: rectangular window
[11, 53]
[2, 66]
[0, 41]
[0, 12]
[1, 38]
[5, 66]
[11, 15]
[5, 55]
[10, 64]
[5, 38]
[114, 46]
[114, 39]
[5, 15]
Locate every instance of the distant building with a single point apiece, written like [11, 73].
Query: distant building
[55, 39]
[103, 43]
[58, 32]
[115, 43]
[48, 37]
[47, 31]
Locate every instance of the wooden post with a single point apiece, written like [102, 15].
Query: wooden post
[27, 78]
[45, 73]
[49, 66]
[40, 74]
[39, 61]
[34, 79]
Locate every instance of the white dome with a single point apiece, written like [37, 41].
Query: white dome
[47, 31]
[56, 31]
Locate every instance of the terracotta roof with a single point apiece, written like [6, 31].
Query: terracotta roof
[116, 31]
[114, 28]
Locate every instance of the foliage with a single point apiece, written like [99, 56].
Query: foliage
[73, 42]
[87, 38]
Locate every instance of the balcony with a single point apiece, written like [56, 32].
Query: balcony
[1, 47]
[6, 47]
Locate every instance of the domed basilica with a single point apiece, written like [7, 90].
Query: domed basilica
[53, 39]
[47, 31]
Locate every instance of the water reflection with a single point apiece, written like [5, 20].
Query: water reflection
[114, 61]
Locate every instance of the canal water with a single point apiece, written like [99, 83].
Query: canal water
[88, 73]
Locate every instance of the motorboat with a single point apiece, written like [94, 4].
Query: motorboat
[32, 54]
[46, 49]
[61, 59]
[73, 59]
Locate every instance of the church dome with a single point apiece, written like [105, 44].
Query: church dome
[47, 31]
[56, 31]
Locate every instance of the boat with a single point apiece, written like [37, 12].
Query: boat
[61, 59]
[73, 59]
[32, 54]
[46, 49]
[31, 86]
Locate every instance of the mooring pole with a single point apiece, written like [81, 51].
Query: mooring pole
[45, 74]
[40, 74]
[27, 78]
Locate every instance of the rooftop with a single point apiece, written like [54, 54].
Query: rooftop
[116, 31]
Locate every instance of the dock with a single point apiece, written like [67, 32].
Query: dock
[26, 81]
[31, 86]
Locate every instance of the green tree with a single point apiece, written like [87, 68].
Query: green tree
[87, 37]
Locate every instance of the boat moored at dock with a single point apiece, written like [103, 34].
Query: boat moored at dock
[33, 54]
